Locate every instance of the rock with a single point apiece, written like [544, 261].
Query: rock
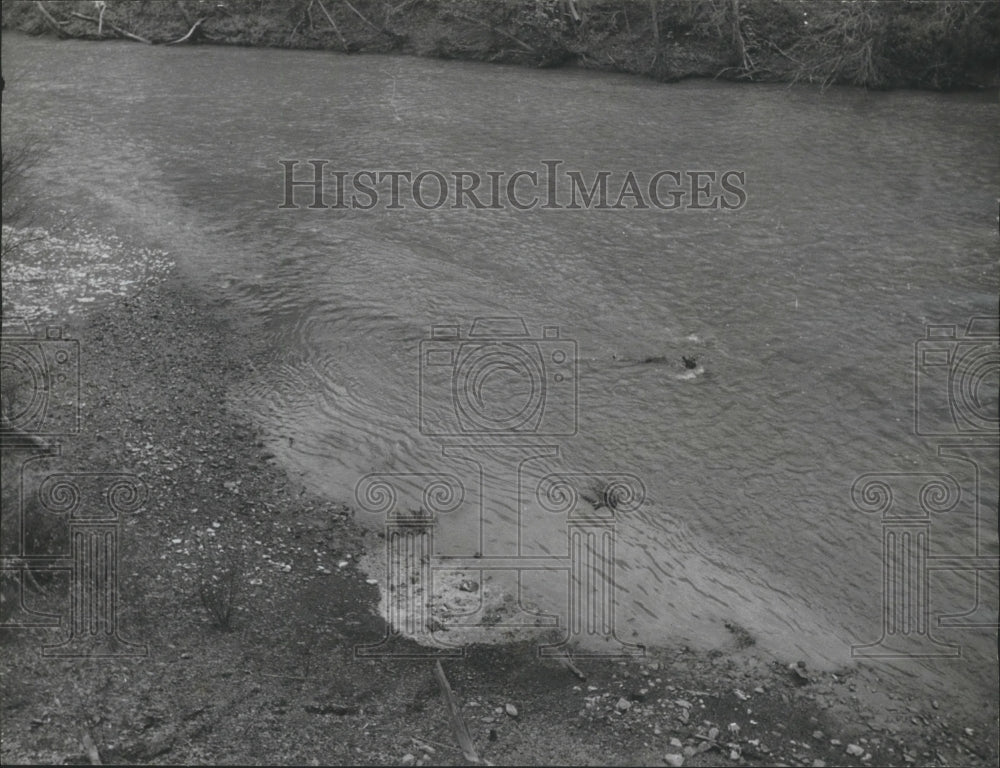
[817, 763]
[467, 585]
[623, 705]
[799, 674]
[855, 750]
[675, 742]
[674, 759]
[511, 710]
[407, 759]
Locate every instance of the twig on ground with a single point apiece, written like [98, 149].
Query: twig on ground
[92, 754]
[458, 725]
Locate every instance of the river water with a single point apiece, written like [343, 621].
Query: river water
[867, 216]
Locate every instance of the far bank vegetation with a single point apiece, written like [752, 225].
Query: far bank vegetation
[938, 44]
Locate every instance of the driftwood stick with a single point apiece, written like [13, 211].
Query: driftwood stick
[458, 725]
[125, 33]
[115, 27]
[497, 31]
[101, 7]
[190, 32]
[333, 24]
[57, 25]
[360, 15]
[568, 663]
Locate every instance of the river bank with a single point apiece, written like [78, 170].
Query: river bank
[246, 593]
[932, 45]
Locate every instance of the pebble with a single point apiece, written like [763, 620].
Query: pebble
[854, 749]
[511, 710]
[408, 758]
[817, 763]
[623, 705]
[675, 742]
[674, 759]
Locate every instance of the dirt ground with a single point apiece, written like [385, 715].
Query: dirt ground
[277, 680]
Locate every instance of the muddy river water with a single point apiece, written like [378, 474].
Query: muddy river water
[801, 298]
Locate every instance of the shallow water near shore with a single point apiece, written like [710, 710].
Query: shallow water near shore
[868, 216]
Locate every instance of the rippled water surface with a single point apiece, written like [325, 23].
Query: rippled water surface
[868, 216]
